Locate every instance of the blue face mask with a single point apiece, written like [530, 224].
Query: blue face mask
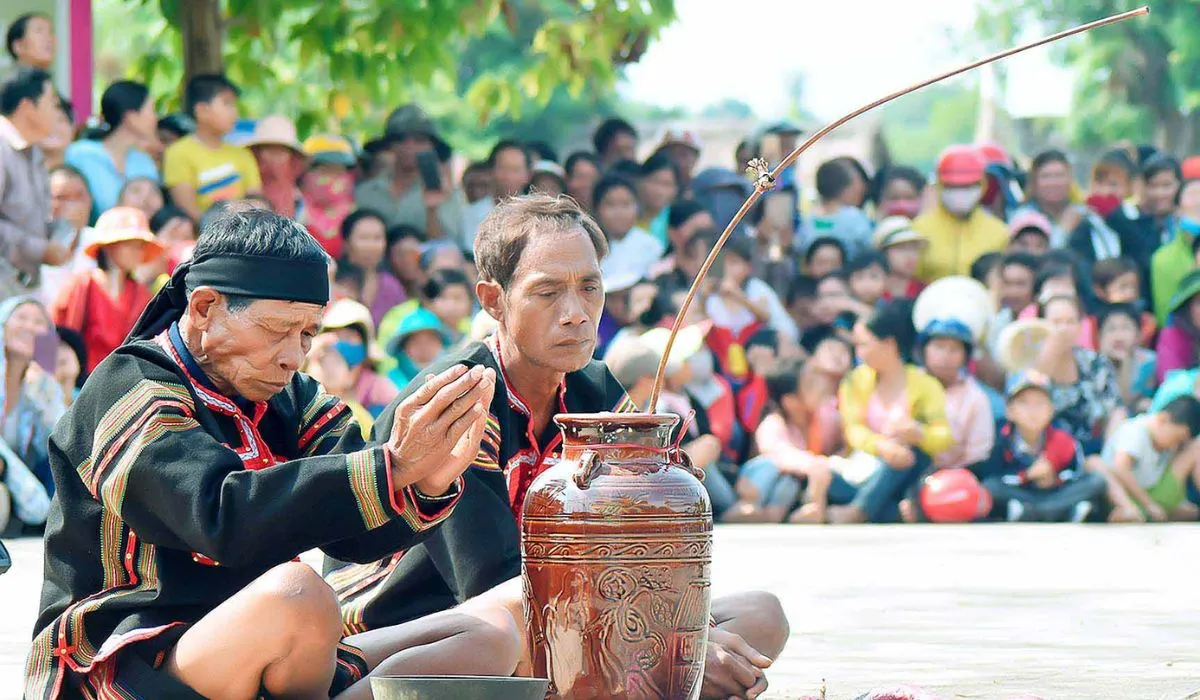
[353, 353]
[1190, 225]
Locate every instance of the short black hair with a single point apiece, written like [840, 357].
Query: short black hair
[120, 98]
[1184, 410]
[784, 379]
[1054, 270]
[682, 210]
[904, 173]
[1108, 311]
[833, 178]
[399, 232]
[1052, 155]
[204, 88]
[607, 184]
[74, 341]
[625, 168]
[442, 279]
[351, 273]
[608, 131]
[893, 320]
[509, 145]
[18, 29]
[540, 150]
[166, 215]
[659, 161]
[505, 232]
[1159, 164]
[356, 216]
[1020, 258]
[1105, 272]
[802, 287]
[983, 266]
[865, 261]
[740, 247]
[24, 84]
[580, 157]
[821, 242]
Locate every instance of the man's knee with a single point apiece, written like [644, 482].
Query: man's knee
[499, 640]
[758, 617]
[300, 602]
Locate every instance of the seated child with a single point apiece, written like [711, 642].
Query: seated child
[946, 347]
[762, 354]
[1147, 465]
[1034, 473]
[1134, 364]
[419, 341]
[1119, 281]
[828, 351]
[330, 367]
[901, 247]
[868, 277]
[793, 444]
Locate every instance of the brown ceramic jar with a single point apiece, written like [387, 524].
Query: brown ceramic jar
[616, 546]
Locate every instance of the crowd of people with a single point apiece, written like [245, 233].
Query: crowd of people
[813, 396]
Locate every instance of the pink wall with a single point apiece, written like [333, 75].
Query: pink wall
[80, 12]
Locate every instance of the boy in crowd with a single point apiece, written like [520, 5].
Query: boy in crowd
[1034, 473]
[1147, 465]
[201, 169]
[947, 346]
[1030, 231]
[868, 277]
[901, 247]
[1119, 281]
[793, 444]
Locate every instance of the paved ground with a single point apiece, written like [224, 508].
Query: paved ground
[970, 612]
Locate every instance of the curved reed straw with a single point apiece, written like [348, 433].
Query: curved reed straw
[764, 179]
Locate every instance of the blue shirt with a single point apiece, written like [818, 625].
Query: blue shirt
[198, 374]
[98, 168]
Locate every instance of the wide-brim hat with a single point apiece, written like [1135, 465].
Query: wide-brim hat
[276, 130]
[328, 149]
[121, 224]
[1020, 343]
[347, 313]
[895, 230]
[410, 119]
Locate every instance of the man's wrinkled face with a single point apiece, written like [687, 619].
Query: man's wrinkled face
[553, 303]
[253, 352]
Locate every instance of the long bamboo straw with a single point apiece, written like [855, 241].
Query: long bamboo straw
[764, 177]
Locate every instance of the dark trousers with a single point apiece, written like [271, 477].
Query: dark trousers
[879, 496]
[1047, 505]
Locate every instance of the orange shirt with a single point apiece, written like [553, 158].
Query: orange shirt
[86, 307]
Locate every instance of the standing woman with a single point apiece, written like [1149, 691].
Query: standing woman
[658, 187]
[364, 245]
[109, 163]
[894, 415]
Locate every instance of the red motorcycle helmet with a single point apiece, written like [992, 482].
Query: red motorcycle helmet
[954, 496]
[960, 166]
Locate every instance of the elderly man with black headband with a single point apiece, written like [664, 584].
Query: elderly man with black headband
[197, 463]
[539, 270]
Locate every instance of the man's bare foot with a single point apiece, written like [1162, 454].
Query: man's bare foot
[809, 513]
[908, 511]
[845, 515]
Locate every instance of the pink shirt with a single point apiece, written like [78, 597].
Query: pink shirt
[790, 446]
[971, 423]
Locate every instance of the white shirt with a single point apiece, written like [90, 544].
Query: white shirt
[633, 254]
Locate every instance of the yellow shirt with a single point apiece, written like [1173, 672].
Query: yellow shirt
[955, 243]
[218, 174]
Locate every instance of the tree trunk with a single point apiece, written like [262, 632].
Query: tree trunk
[200, 27]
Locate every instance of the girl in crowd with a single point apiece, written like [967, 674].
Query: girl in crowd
[109, 163]
[901, 192]
[1179, 342]
[894, 415]
[824, 255]
[1083, 383]
[351, 322]
[327, 190]
[70, 201]
[281, 162]
[404, 259]
[1050, 191]
[103, 304]
[31, 402]
[658, 185]
[583, 172]
[631, 250]
[364, 240]
[1120, 329]
[901, 247]
[142, 193]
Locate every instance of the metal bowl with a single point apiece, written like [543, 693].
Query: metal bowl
[458, 688]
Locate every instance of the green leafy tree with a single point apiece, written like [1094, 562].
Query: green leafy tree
[918, 126]
[344, 65]
[1138, 81]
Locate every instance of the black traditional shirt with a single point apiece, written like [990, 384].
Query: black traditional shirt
[172, 497]
[478, 546]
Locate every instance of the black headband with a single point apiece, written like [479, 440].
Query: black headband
[253, 276]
